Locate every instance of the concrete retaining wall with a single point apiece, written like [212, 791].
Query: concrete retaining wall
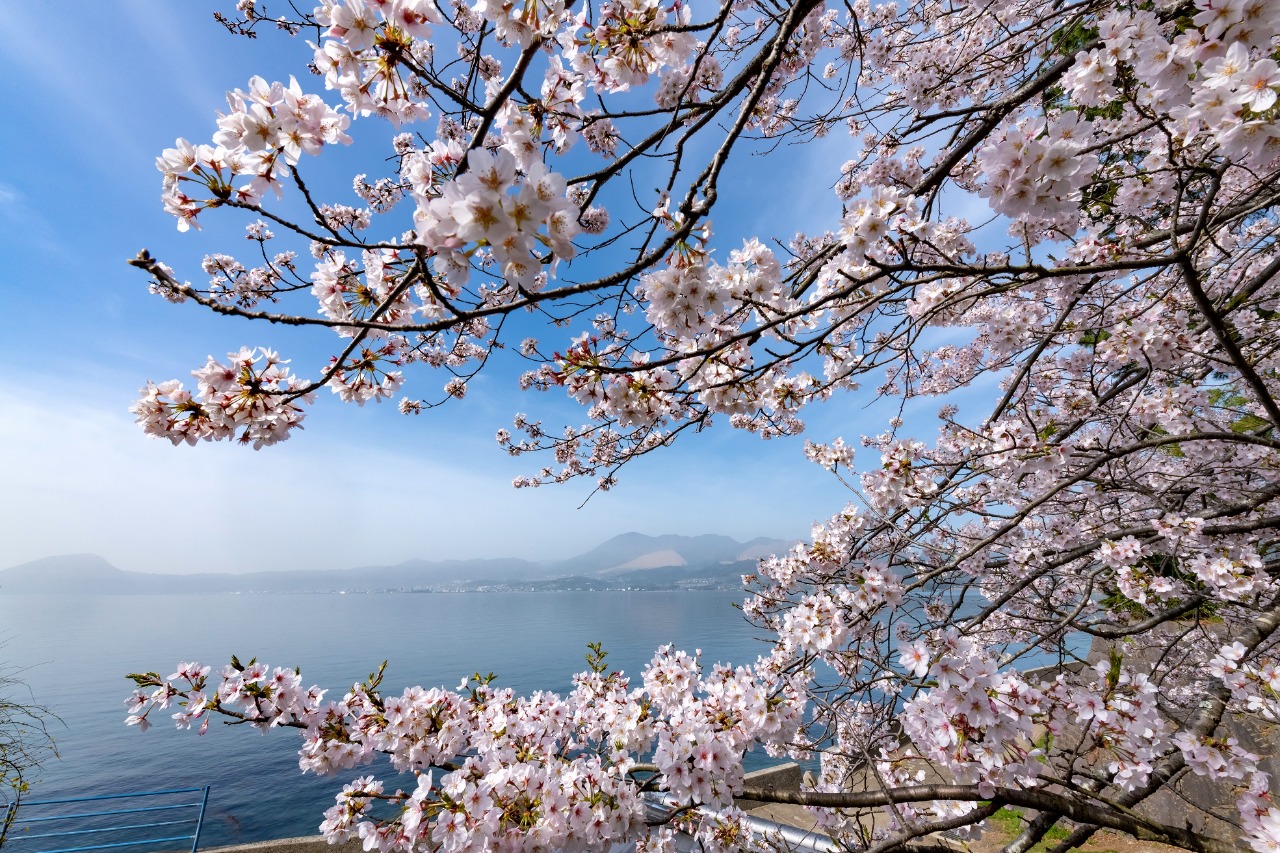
[305, 844]
[780, 777]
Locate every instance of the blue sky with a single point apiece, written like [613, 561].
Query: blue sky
[94, 97]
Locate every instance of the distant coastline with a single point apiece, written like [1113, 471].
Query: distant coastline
[630, 562]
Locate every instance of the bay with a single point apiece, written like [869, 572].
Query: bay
[76, 650]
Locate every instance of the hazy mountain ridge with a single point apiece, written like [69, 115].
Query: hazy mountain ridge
[90, 573]
[627, 560]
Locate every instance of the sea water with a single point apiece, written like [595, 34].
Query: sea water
[76, 650]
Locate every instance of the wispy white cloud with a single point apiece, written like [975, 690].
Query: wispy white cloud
[80, 477]
[31, 227]
[119, 67]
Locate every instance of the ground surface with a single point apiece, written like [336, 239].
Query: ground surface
[1007, 824]
[1004, 828]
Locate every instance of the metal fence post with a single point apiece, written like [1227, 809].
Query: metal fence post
[204, 801]
[9, 810]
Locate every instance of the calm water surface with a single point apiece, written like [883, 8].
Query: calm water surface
[78, 649]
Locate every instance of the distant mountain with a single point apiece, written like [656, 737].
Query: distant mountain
[638, 551]
[652, 560]
[89, 573]
[72, 572]
[760, 547]
[631, 559]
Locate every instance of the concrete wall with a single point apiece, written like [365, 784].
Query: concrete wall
[780, 777]
[305, 844]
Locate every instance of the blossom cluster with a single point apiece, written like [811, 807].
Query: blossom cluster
[494, 770]
[253, 398]
[478, 207]
[1037, 169]
[266, 130]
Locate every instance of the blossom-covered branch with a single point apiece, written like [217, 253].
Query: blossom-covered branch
[1059, 220]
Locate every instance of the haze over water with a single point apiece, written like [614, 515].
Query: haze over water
[78, 648]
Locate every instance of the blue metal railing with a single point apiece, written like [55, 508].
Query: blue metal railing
[59, 826]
